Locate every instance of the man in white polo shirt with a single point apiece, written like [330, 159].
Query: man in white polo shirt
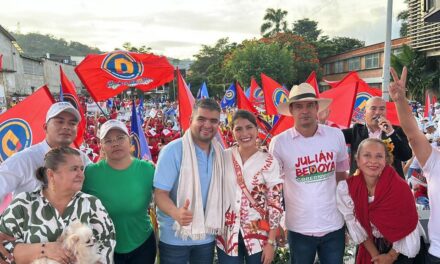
[313, 157]
[428, 157]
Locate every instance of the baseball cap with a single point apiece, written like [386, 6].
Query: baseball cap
[429, 124]
[58, 108]
[112, 124]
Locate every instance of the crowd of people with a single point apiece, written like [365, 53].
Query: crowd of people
[237, 203]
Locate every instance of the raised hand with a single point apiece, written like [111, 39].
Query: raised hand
[397, 88]
[184, 216]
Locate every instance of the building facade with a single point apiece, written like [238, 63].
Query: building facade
[366, 61]
[21, 75]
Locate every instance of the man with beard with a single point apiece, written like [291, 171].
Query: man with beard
[188, 190]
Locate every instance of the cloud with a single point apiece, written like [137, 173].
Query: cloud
[182, 27]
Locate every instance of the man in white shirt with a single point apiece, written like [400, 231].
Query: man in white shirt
[428, 157]
[17, 173]
[313, 158]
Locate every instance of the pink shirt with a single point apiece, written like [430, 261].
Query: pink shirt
[309, 165]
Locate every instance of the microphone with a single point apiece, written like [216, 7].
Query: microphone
[376, 118]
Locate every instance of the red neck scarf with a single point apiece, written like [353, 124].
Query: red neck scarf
[393, 210]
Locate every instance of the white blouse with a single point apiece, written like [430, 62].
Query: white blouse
[408, 246]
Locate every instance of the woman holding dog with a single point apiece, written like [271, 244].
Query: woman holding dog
[252, 198]
[124, 185]
[37, 219]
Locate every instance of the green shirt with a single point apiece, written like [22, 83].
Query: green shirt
[126, 194]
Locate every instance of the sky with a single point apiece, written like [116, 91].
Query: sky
[178, 29]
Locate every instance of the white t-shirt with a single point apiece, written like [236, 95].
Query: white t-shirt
[17, 173]
[309, 168]
[431, 171]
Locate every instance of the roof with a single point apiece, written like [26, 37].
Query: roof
[6, 33]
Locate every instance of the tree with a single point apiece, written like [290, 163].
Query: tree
[403, 16]
[303, 54]
[308, 29]
[421, 71]
[274, 22]
[208, 67]
[254, 57]
[328, 47]
[142, 49]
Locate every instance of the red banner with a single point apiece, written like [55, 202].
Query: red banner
[186, 102]
[284, 123]
[341, 108]
[242, 101]
[22, 125]
[107, 75]
[313, 81]
[70, 95]
[274, 94]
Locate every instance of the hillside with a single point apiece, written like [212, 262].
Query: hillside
[37, 45]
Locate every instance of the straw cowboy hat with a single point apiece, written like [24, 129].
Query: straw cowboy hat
[302, 93]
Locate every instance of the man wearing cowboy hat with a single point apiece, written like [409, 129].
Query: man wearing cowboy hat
[377, 126]
[313, 157]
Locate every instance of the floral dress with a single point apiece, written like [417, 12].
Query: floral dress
[261, 174]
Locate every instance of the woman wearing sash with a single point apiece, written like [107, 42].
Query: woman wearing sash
[252, 197]
[379, 208]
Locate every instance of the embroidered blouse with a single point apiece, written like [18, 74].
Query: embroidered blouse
[30, 218]
[262, 178]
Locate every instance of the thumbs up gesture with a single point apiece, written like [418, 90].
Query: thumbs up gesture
[184, 215]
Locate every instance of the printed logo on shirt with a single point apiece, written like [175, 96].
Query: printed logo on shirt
[315, 168]
[15, 135]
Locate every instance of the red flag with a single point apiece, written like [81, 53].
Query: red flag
[70, 95]
[22, 125]
[364, 93]
[312, 80]
[341, 108]
[107, 75]
[256, 96]
[274, 94]
[284, 123]
[186, 102]
[392, 114]
[242, 101]
[1, 62]
[428, 105]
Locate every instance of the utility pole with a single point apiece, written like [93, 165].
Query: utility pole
[387, 53]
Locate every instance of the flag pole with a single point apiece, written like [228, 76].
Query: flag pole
[387, 52]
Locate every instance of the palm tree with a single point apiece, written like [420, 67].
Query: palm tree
[274, 22]
[421, 71]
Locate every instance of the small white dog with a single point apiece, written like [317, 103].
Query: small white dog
[78, 238]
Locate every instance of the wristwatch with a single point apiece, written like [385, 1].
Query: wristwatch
[272, 243]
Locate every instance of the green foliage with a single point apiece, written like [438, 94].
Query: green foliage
[421, 71]
[37, 45]
[328, 47]
[253, 58]
[274, 22]
[209, 67]
[403, 17]
[129, 47]
[308, 29]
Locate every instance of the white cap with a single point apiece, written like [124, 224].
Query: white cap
[112, 124]
[430, 124]
[58, 108]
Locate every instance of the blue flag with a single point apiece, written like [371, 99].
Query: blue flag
[203, 92]
[247, 92]
[229, 99]
[138, 140]
[141, 108]
[61, 94]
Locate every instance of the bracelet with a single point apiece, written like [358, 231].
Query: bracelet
[272, 242]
